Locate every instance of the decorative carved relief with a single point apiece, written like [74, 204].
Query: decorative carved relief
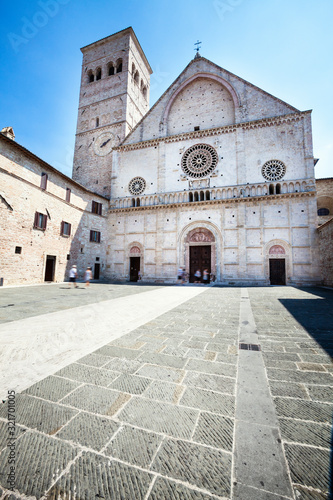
[201, 235]
[199, 183]
[277, 249]
[135, 250]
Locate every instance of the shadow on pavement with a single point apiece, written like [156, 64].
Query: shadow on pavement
[315, 315]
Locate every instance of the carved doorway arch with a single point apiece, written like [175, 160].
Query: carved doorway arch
[278, 262]
[200, 253]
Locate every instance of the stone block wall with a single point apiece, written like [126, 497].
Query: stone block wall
[325, 233]
[325, 198]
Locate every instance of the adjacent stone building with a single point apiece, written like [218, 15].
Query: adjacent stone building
[48, 222]
[218, 175]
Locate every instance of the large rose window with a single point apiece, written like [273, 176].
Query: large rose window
[199, 160]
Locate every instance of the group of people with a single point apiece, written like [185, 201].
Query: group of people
[73, 275]
[206, 276]
[182, 276]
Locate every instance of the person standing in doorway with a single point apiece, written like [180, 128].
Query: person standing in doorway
[205, 276]
[180, 274]
[87, 277]
[197, 276]
[73, 276]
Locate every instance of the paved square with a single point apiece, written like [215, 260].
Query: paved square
[169, 408]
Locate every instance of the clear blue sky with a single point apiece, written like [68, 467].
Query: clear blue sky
[283, 46]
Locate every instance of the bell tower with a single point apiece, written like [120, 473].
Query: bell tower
[114, 96]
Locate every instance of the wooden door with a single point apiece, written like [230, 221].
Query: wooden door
[50, 267]
[277, 271]
[200, 258]
[96, 271]
[134, 268]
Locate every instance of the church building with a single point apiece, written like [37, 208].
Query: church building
[218, 176]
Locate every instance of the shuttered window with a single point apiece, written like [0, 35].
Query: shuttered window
[43, 180]
[95, 236]
[40, 221]
[65, 229]
[96, 208]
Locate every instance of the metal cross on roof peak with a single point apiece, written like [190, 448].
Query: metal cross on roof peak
[198, 46]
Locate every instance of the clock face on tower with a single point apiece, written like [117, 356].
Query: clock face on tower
[104, 144]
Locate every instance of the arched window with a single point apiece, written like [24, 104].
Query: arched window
[119, 65]
[138, 202]
[133, 69]
[111, 69]
[323, 211]
[271, 189]
[136, 77]
[207, 195]
[202, 196]
[98, 73]
[97, 122]
[90, 76]
[278, 189]
[144, 92]
[196, 196]
[190, 197]
[133, 202]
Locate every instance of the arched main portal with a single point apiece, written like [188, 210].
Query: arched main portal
[278, 262]
[200, 254]
[134, 263]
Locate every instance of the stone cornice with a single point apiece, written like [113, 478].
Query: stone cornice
[227, 201]
[264, 122]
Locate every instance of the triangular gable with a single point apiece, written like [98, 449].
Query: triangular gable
[251, 103]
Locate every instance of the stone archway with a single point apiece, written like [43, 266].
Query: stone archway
[200, 253]
[135, 262]
[278, 262]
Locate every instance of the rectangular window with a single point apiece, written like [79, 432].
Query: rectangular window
[68, 195]
[18, 249]
[40, 221]
[68, 256]
[43, 180]
[95, 236]
[96, 208]
[65, 229]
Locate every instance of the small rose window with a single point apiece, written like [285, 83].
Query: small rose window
[273, 170]
[137, 185]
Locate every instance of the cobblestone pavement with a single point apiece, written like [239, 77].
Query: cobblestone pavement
[174, 410]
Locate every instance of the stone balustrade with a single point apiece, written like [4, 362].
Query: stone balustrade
[211, 194]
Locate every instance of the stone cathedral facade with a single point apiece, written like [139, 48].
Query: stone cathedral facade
[218, 175]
